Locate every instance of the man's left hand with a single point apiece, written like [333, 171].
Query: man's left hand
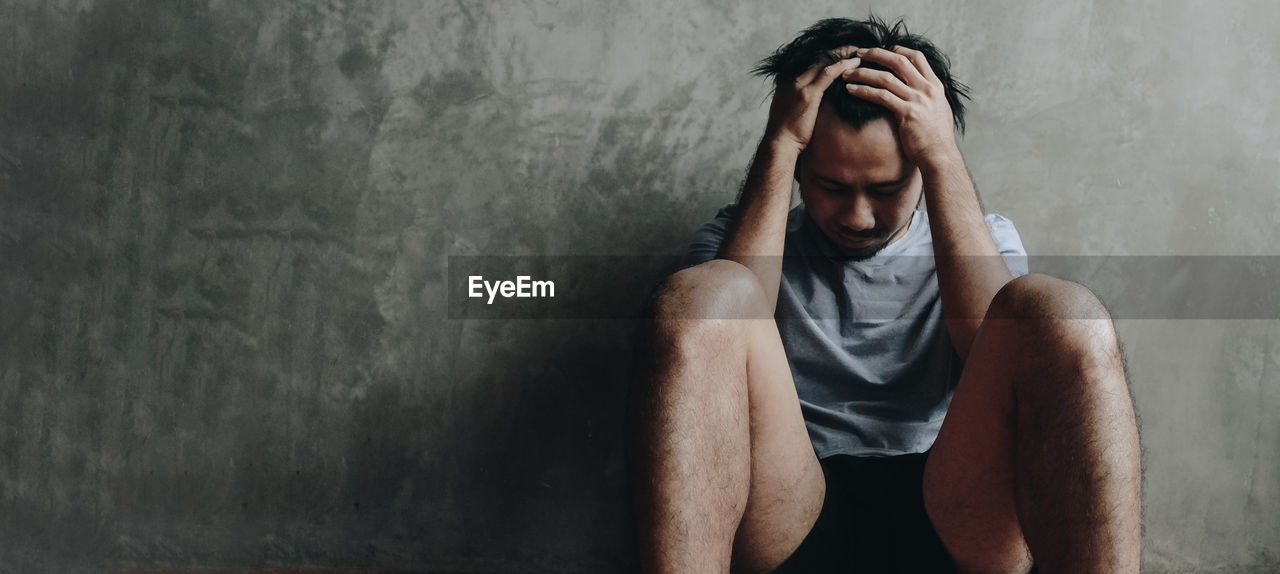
[916, 97]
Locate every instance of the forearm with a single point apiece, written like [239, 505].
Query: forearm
[970, 269]
[758, 234]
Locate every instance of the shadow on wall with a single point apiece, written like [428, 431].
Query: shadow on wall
[545, 400]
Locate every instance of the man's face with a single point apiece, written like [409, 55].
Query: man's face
[858, 186]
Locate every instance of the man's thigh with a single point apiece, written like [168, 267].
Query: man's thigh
[787, 485]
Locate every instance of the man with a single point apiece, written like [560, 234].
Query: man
[913, 407]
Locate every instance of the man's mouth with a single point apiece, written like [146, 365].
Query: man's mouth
[861, 239]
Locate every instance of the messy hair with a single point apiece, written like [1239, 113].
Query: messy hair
[814, 48]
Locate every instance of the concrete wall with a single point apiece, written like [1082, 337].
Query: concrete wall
[224, 231]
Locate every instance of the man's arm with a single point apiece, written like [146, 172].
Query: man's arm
[757, 235]
[970, 268]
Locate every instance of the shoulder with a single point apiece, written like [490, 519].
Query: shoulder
[1006, 236]
[1002, 229]
[998, 224]
[995, 220]
[1009, 243]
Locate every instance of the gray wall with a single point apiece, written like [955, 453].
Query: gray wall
[224, 231]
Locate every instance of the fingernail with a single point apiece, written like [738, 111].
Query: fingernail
[860, 51]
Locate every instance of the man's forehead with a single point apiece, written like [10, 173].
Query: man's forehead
[854, 174]
[867, 155]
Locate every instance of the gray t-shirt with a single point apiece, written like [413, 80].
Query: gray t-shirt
[870, 353]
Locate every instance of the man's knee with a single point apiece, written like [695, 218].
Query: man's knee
[693, 314]
[716, 289]
[690, 322]
[1054, 318]
[1057, 323]
[1039, 296]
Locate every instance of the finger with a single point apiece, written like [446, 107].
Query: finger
[899, 64]
[830, 73]
[843, 52]
[919, 61]
[878, 96]
[834, 57]
[806, 77]
[879, 79]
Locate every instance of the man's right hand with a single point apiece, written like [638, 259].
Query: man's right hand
[795, 107]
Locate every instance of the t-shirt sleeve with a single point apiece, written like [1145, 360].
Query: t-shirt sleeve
[1009, 243]
[707, 239]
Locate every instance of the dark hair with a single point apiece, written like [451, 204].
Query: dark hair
[813, 48]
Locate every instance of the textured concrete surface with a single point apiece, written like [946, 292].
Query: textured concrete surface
[224, 231]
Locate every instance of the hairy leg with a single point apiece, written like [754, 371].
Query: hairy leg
[1040, 450]
[723, 473]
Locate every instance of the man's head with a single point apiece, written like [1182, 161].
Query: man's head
[857, 184]
[820, 45]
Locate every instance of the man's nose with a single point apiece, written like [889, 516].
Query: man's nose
[858, 215]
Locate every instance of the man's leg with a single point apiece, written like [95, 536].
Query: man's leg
[722, 468]
[1040, 446]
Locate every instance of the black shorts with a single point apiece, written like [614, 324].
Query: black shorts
[872, 521]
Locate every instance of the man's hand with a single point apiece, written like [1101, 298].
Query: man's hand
[795, 107]
[970, 269]
[916, 97]
[757, 237]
